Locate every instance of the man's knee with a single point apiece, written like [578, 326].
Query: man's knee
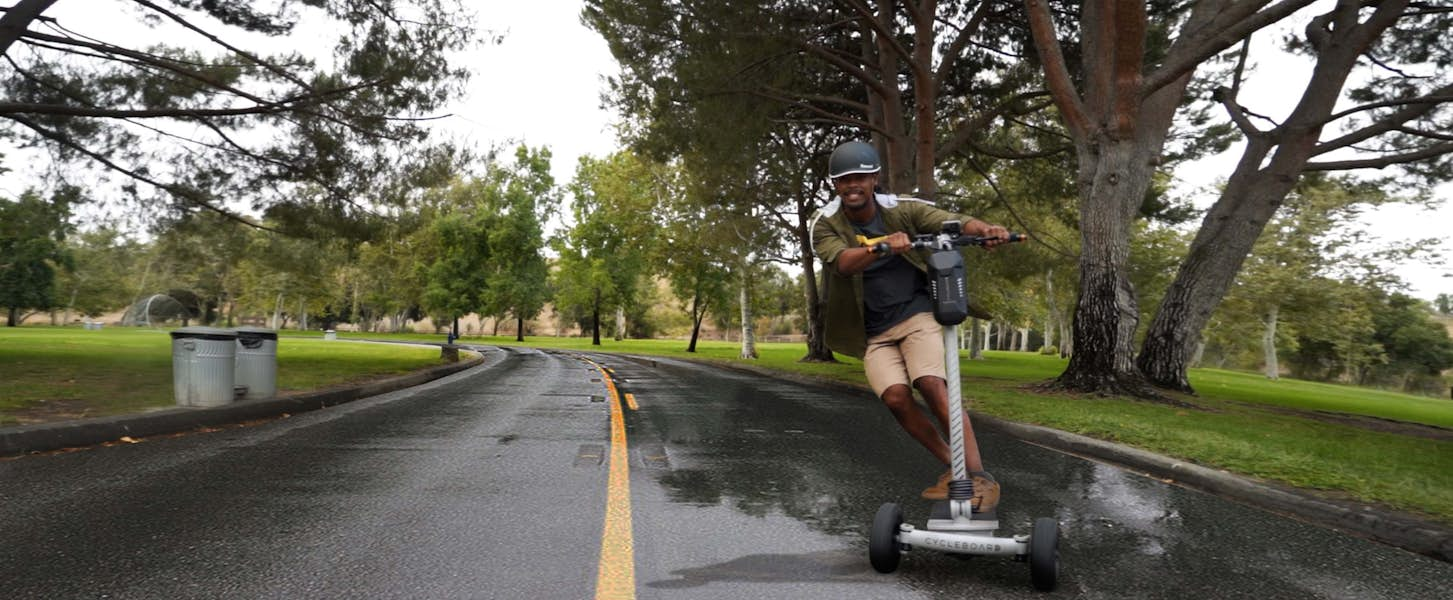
[898, 397]
[929, 383]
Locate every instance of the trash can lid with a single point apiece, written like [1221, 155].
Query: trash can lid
[204, 333]
[256, 333]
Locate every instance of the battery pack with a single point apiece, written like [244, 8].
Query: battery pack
[947, 287]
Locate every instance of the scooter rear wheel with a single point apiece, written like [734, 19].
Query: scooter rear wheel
[884, 550]
[1044, 554]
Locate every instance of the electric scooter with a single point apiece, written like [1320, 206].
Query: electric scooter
[953, 526]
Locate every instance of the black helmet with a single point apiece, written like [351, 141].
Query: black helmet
[853, 157]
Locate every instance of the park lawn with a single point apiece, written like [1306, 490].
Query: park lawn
[122, 370]
[1233, 429]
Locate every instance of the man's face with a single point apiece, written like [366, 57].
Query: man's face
[856, 189]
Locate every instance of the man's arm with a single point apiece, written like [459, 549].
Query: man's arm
[837, 253]
[931, 219]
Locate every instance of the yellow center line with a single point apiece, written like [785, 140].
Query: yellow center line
[631, 401]
[616, 574]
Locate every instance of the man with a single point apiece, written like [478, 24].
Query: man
[878, 305]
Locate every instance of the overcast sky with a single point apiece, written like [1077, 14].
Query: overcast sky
[541, 85]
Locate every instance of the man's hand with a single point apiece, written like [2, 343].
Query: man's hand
[1000, 234]
[898, 242]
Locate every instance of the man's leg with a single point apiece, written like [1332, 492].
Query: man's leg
[935, 393]
[986, 490]
[899, 400]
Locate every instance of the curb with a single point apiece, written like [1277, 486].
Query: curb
[1400, 530]
[45, 437]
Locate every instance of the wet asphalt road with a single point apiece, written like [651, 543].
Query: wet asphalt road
[492, 483]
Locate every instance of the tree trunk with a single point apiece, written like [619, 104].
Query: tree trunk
[1268, 343]
[749, 334]
[277, 309]
[976, 336]
[13, 317]
[358, 318]
[620, 323]
[1052, 311]
[1225, 238]
[1066, 343]
[1253, 193]
[595, 320]
[895, 147]
[817, 350]
[1023, 339]
[70, 306]
[519, 327]
[1117, 175]
[1199, 353]
[696, 315]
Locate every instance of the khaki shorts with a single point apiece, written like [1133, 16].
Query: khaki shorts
[907, 351]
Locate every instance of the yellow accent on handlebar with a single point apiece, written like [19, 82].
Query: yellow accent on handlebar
[870, 242]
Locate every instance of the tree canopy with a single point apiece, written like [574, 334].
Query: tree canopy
[310, 141]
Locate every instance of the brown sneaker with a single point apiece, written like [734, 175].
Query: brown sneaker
[986, 493]
[939, 491]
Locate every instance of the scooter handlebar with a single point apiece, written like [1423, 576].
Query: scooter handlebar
[931, 240]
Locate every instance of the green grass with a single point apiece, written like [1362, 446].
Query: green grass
[118, 371]
[1309, 395]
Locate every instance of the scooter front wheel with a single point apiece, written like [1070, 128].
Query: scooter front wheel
[884, 551]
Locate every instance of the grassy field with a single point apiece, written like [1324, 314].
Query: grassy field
[67, 372]
[1243, 423]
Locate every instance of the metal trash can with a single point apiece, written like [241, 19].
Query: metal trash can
[202, 365]
[329, 334]
[256, 362]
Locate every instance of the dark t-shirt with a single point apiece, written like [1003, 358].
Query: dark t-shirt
[893, 289]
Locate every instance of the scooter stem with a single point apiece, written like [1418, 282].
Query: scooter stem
[955, 402]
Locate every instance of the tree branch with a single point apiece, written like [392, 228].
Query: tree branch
[284, 73]
[1438, 97]
[178, 191]
[965, 130]
[1008, 154]
[998, 193]
[1057, 75]
[1433, 151]
[144, 60]
[851, 69]
[1390, 122]
[1237, 112]
[961, 39]
[11, 108]
[18, 18]
[866, 15]
[1222, 32]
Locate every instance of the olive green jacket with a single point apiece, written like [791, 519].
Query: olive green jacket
[843, 294]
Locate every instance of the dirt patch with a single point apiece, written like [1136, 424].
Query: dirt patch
[1378, 424]
[50, 411]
